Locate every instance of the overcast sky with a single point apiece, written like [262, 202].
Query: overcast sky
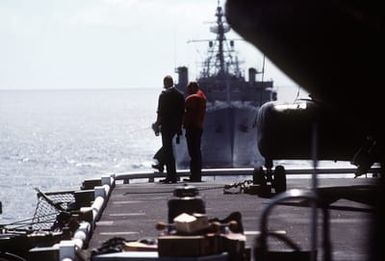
[59, 44]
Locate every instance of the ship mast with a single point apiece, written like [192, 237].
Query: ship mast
[221, 38]
[218, 49]
[219, 60]
[220, 30]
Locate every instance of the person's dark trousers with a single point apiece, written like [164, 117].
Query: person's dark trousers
[159, 156]
[193, 138]
[167, 136]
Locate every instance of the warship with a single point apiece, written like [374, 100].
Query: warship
[229, 136]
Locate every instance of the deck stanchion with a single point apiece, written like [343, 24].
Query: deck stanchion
[66, 250]
[314, 178]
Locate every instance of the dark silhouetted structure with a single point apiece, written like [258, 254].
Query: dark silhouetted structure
[334, 50]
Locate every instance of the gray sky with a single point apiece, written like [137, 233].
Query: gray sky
[59, 44]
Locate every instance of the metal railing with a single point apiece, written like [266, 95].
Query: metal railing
[127, 176]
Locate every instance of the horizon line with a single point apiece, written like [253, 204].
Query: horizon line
[77, 89]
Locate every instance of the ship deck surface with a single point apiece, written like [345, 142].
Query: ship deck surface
[134, 209]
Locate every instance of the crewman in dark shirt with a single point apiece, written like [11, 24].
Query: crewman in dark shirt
[195, 110]
[169, 121]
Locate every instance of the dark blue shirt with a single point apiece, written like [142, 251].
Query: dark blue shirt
[171, 109]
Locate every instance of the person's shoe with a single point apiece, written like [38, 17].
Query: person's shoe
[159, 167]
[168, 181]
[192, 180]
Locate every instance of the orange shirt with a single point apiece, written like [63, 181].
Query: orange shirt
[195, 109]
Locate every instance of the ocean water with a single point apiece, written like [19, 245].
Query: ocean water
[53, 140]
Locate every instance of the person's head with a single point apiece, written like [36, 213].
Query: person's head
[192, 88]
[168, 82]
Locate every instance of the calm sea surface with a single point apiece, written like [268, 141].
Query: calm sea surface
[53, 140]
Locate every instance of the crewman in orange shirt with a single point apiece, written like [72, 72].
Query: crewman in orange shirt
[195, 110]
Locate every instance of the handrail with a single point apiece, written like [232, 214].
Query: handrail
[237, 171]
[69, 248]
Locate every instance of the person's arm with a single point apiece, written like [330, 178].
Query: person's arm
[160, 110]
[157, 124]
[191, 109]
[181, 108]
